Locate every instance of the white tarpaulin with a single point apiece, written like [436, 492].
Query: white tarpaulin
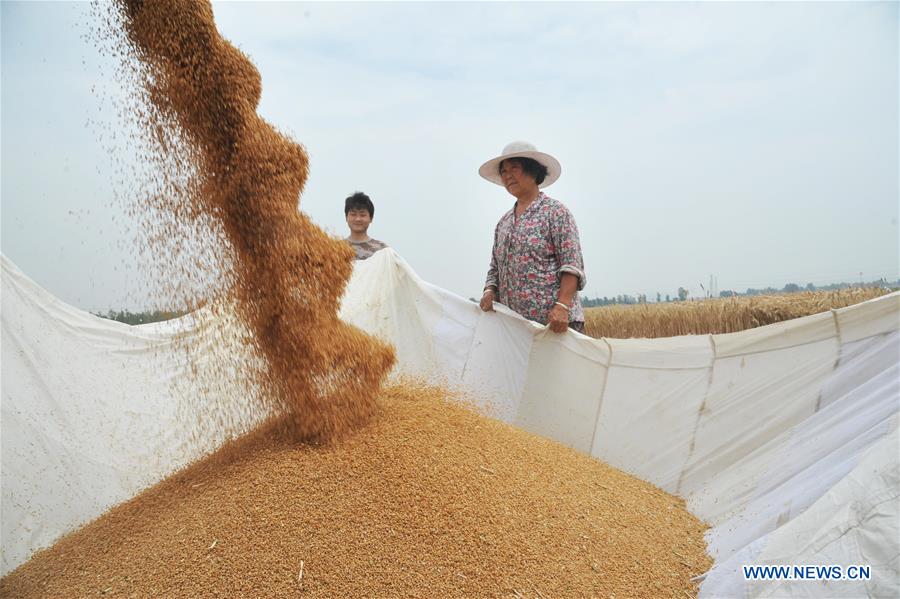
[783, 438]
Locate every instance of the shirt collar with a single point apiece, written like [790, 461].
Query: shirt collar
[541, 196]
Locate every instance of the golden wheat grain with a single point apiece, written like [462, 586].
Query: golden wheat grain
[721, 315]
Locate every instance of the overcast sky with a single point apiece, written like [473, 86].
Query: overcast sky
[757, 142]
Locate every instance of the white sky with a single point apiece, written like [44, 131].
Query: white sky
[754, 141]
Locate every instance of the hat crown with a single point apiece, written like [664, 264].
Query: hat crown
[519, 146]
[490, 170]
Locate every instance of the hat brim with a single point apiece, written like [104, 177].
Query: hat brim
[490, 170]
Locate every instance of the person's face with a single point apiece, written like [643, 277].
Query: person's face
[358, 220]
[514, 179]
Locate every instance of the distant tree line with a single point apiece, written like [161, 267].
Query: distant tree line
[683, 293]
[795, 288]
[626, 299]
[134, 318]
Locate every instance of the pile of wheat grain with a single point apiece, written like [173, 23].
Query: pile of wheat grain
[429, 499]
[713, 316]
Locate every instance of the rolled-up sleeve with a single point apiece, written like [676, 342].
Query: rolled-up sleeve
[568, 244]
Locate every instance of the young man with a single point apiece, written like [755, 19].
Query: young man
[360, 211]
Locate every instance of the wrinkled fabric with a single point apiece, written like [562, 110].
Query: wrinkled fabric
[783, 438]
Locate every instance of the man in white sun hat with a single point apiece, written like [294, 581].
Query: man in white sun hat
[536, 263]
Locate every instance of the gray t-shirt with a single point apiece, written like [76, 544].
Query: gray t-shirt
[365, 249]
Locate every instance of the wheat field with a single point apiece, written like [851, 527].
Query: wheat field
[716, 315]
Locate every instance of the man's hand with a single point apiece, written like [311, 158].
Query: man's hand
[559, 319]
[487, 300]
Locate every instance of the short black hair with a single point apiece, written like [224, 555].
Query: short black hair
[530, 166]
[359, 201]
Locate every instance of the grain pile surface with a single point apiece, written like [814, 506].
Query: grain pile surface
[429, 499]
[236, 174]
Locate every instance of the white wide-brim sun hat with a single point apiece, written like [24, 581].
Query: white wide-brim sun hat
[490, 170]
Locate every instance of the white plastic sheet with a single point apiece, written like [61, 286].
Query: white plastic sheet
[94, 410]
[783, 438]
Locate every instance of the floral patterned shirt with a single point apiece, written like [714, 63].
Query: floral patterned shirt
[530, 255]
